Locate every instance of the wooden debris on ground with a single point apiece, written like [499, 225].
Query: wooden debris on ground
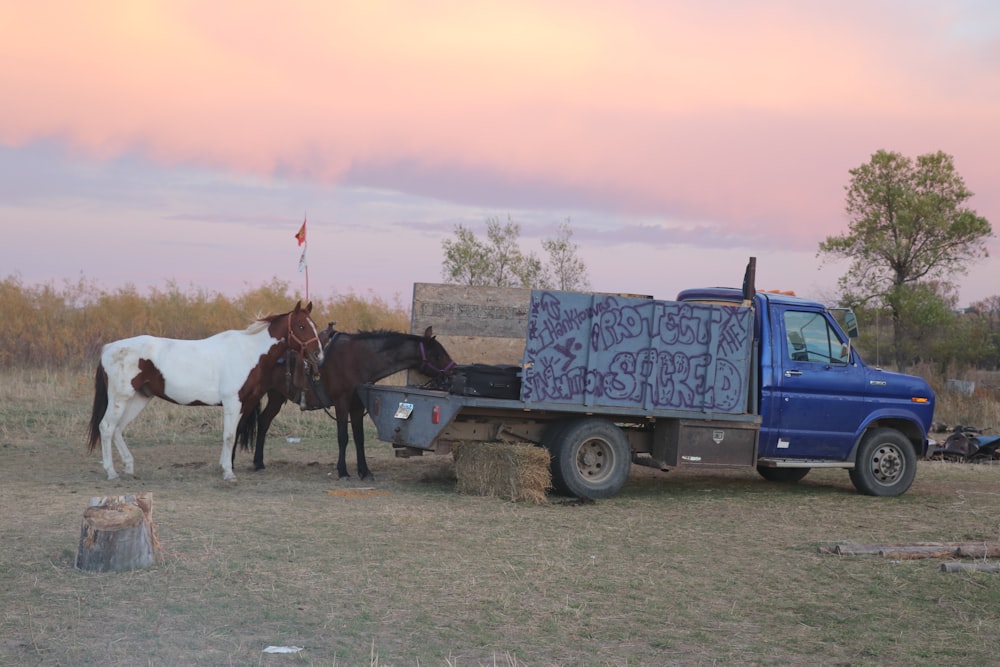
[914, 550]
[357, 492]
[970, 567]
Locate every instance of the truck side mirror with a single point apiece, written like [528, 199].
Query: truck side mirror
[851, 321]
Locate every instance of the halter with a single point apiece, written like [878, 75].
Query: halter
[426, 364]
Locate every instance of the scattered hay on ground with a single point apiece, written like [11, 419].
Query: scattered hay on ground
[357, 493]
[515, 472]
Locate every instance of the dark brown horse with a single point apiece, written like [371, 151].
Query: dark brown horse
[349, 360]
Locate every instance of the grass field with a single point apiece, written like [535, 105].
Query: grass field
[679, 569]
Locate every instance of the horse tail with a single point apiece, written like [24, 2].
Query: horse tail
[100, 406]
[246, 430]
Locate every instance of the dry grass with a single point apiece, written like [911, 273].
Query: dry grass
[981, 410]
[65, 327]
[690, 568]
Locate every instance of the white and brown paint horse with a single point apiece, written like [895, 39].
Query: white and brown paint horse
[232, 369]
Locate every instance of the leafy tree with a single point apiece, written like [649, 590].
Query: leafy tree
[565, 271]
[499, 262]
[929, 307]
[908, 224]
[987, 312]
[965, 343]
[466, 258]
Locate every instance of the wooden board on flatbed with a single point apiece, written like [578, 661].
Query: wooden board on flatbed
[477, 325]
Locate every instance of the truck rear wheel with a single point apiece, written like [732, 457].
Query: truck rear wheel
[886, 463]
[590, 458]
[782, 475]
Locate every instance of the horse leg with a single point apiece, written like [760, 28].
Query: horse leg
[119, 414]
[135, 405]
[342, 444]
[230, 419]
[358, 432]
[274, 402]
[109, 426]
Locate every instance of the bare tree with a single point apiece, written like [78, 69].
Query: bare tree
[565, 270]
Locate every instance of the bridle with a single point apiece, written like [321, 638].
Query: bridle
[308, 365]
[302, 343]
[426, 365]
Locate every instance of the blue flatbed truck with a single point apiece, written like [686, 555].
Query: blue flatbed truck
[717, 378]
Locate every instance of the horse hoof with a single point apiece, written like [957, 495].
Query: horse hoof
[229, 477]
[112, 475]
[344, 478]
[368, 478]
[258, 468]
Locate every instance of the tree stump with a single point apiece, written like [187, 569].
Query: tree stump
[118, 534]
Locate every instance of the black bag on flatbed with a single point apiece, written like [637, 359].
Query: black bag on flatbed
[500, 381]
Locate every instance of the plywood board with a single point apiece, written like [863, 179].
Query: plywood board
[461, 310]
[477, 325]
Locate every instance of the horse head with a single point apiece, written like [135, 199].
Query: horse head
[434, 359]
[302, 335]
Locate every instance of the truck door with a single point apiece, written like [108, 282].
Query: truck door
[816, 393]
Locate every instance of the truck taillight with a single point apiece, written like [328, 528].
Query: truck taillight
[377, 406]
[436, 414]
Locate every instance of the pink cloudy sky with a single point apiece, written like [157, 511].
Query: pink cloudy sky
[143, 142]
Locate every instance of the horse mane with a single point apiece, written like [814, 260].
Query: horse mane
[257, 326]
[380, 333]
[384, 337]
[262, 322]
[387, 337]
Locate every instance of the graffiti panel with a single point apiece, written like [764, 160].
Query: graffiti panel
[605, 350]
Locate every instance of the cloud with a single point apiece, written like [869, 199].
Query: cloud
[647, 122]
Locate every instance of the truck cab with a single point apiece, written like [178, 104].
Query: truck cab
[821, 405]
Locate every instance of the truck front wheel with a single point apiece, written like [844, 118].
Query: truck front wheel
[886, 463]
[590, 458]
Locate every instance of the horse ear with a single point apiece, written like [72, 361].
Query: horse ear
[298, 306]
[309, 308]
[428, 332]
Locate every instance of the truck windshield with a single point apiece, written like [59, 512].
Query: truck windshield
[810, 337]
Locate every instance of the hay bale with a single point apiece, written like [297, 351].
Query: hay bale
[505, 470]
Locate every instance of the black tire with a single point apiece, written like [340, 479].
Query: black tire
[590, 458]
[551, 441]
[783, 475]
[885, 465]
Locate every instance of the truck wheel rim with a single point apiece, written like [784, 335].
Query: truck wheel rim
[595, 460]
[887, 464]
